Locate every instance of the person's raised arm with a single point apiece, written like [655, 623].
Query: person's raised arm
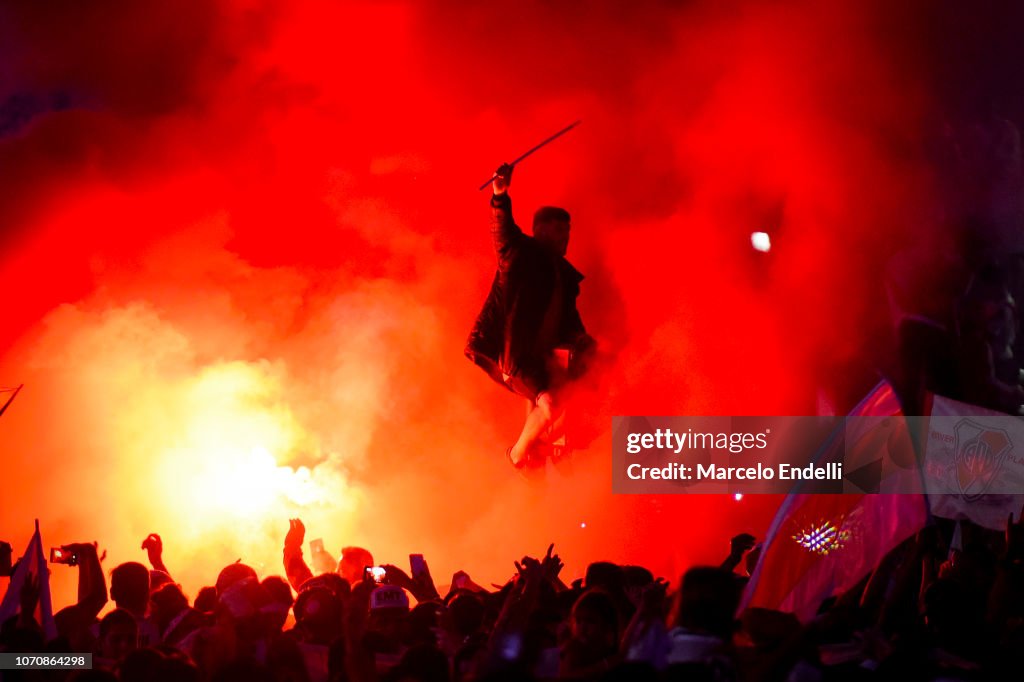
[552, 565]
[92, 586]
[154, 547]
[421, 587]
[294, 565]
[738, 547]
[92, 591]
[519, 600]
[504, 230]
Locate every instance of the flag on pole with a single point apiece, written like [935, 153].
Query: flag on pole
[33, 562]
[819, 546]
[975, 467]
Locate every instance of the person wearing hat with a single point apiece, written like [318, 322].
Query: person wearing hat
[385, 635]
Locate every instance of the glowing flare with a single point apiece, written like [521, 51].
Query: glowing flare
[223, 472]
[761, 241]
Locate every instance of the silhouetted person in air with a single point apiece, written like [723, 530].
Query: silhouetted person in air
[529, 314]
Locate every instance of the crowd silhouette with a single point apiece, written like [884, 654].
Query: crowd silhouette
[927, 612]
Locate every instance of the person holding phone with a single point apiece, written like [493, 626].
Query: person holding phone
[350, 566]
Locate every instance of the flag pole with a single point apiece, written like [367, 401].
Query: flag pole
[11, 399]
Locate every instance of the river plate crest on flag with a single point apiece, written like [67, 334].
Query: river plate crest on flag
[979, 456]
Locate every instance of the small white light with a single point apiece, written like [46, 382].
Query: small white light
[738, 496]
[761, 241]
[583, 524]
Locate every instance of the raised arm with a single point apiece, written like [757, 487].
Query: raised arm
[504, 230]
[92, 585]
[92, 591]
[294, 565]
[154, 547]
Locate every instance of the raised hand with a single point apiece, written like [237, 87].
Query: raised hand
[652, 600]
[424, 584]
[738, 546]
[80, 550]
[533, 570]
[296, 534]
[502, 179]
[741, 544]
[393, 575]
[551, 565]
[462, 581]
[153, 544]
[154, 547]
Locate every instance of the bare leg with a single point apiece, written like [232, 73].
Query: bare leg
[540, 418]
[556, 430]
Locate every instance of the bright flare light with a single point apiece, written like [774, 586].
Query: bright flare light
[822, 538]
[761, 241]
[224, 473]
[247, 484]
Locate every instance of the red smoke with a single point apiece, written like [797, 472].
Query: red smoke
[260, 219]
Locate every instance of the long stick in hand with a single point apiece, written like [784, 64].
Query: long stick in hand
[549, 140]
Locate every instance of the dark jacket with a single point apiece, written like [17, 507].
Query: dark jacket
[530, 310]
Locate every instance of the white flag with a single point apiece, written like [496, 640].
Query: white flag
[32, 563]
[974, 463]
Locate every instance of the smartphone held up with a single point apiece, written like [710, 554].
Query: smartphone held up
[61, 555]
[375, 573]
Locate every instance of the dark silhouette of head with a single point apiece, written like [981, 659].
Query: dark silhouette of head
[595, 620]
[708, 601]
[604, 575]
[318, 615]
[279, 589]
[280, 602]
[206, 600]
[352, 563]
[233, 573]
[551, 228]
[129, 587]
[467, 614]
[119, 634]
[167, 602]
[331, 581]
[158, 579]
